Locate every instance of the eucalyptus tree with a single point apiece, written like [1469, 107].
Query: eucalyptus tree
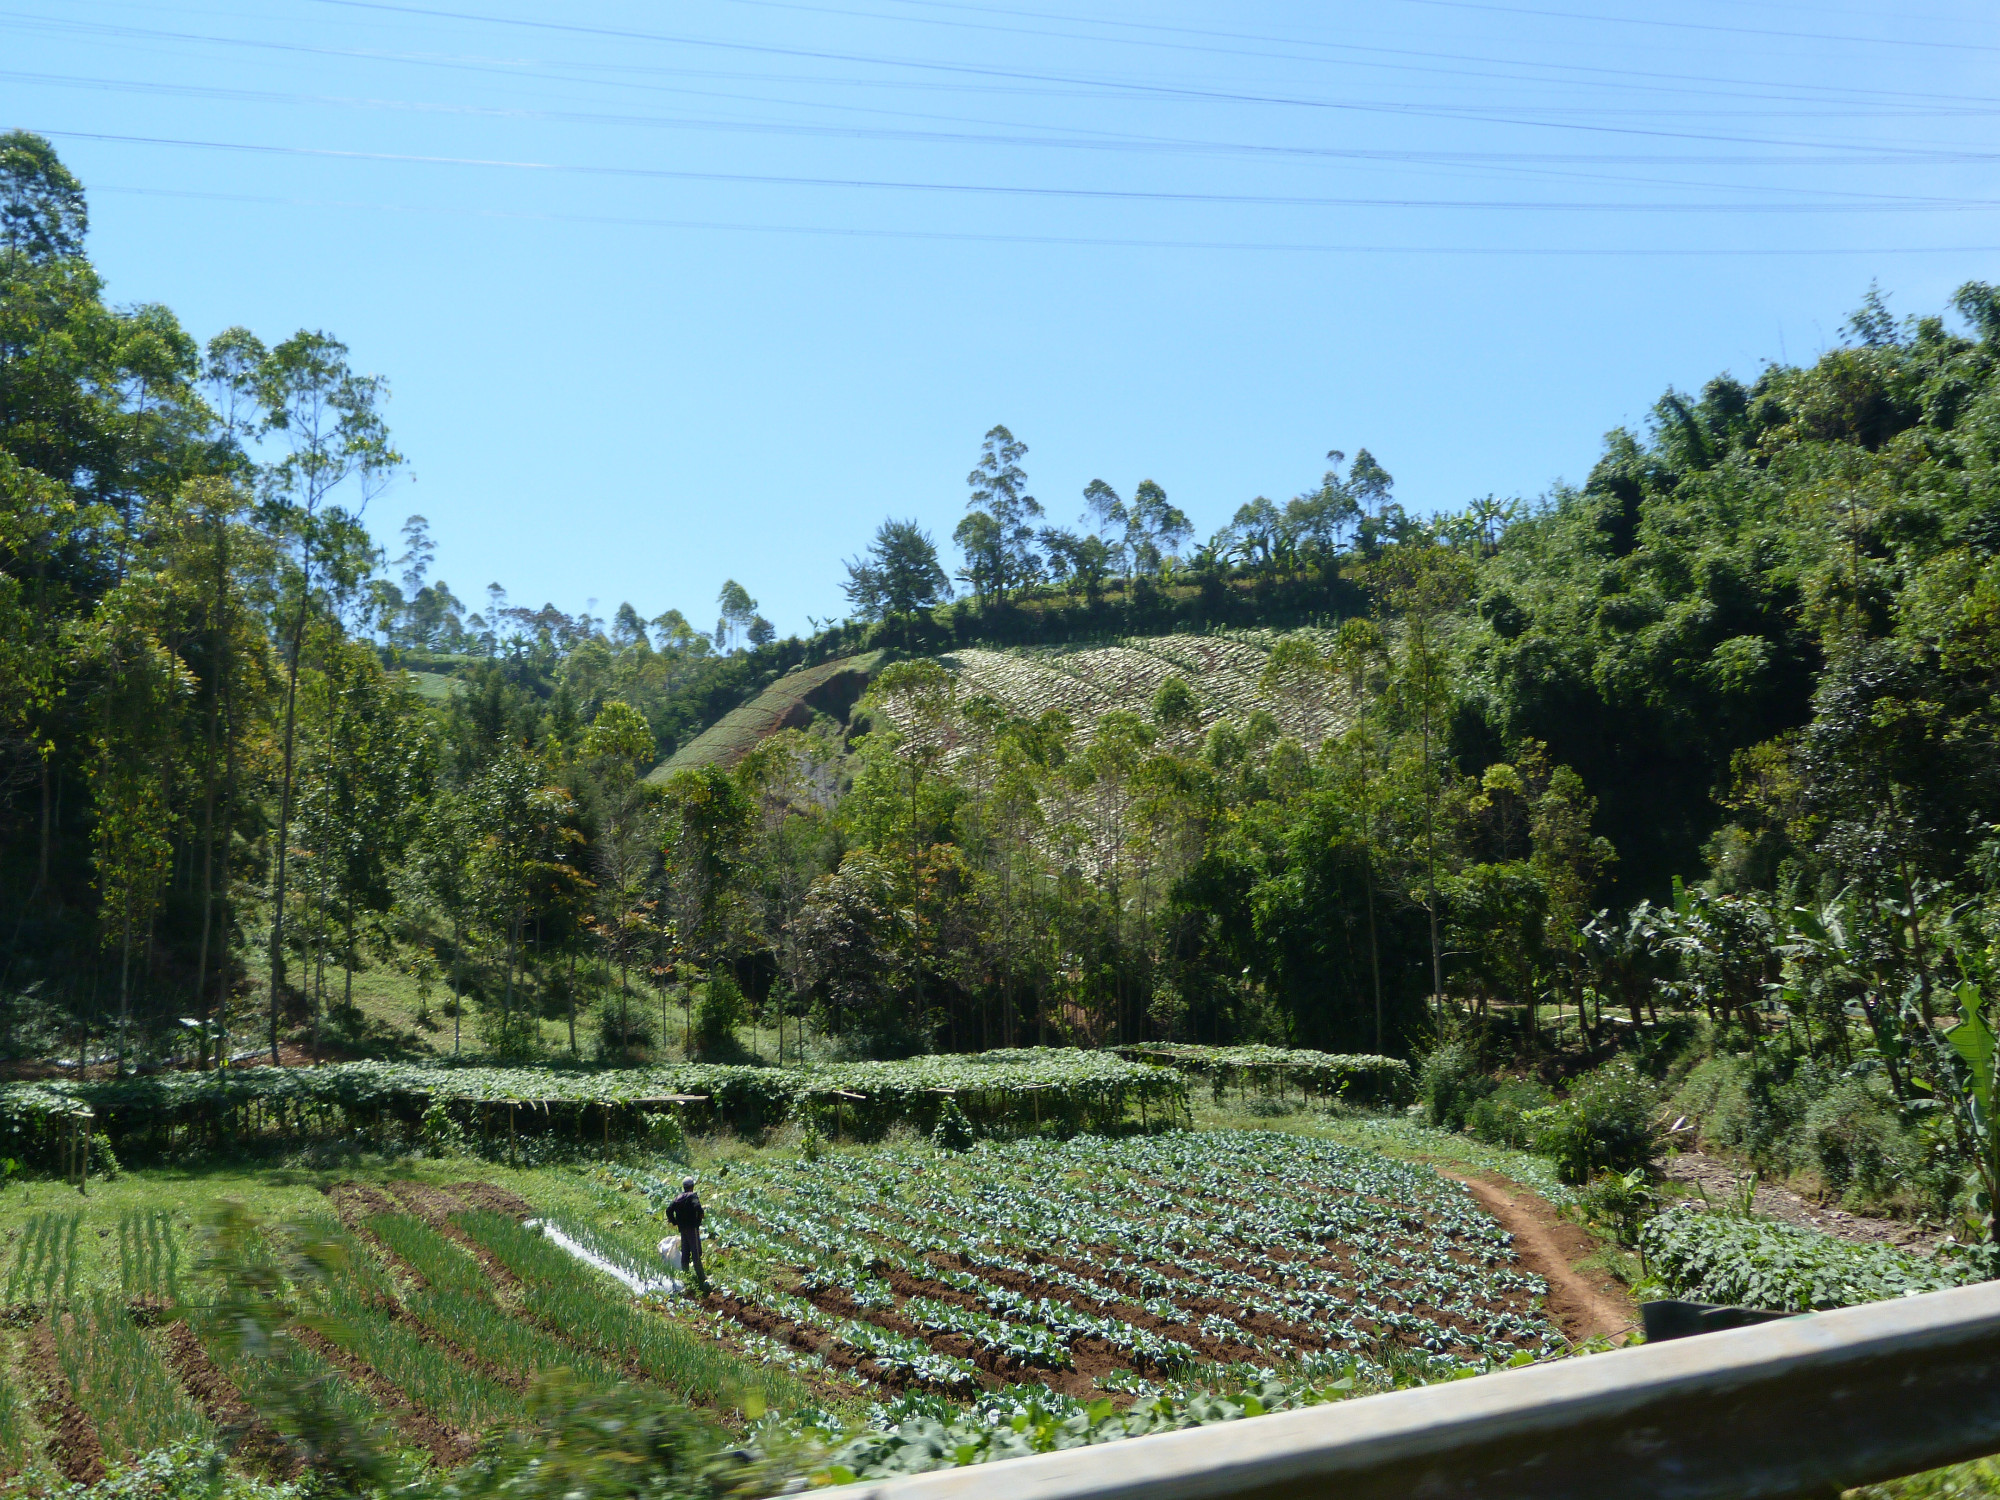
[1425, 584]
[326, 423]
[998, 535]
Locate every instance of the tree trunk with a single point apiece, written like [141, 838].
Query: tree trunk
[285, 812]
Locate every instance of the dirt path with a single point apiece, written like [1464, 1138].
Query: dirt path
[1722, 1181]
[1583, 1304]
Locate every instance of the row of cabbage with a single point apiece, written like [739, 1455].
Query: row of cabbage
[1182, 1253]
[998, 1091]
[1357, 1077]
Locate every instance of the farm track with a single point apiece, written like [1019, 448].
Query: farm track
[446, 1445]
[249, 1436]
[73, 1443]
[1547, 1245]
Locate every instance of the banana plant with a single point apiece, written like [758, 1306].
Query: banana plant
[1971, 1088]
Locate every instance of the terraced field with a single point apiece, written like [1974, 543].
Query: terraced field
[1086, 682]
[1094, 1266]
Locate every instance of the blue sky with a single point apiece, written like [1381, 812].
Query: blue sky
[673, 293]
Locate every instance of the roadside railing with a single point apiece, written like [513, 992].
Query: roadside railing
[1807, 1406]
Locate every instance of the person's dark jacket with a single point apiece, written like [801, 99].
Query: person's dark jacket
[685, 1213]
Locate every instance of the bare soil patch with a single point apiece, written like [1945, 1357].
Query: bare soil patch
[249, 1436]
[74, 1447]
[1585, 1305]
[494, 1198]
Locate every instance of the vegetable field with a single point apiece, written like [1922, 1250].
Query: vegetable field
[1223, 671]
[1096, 1266]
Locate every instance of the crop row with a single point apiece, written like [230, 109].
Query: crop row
[1270, 1246]
[1725, 1258]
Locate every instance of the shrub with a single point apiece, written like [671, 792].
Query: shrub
[1451, 1082]
[1500, 1118]
[953, 1131]
[665, 1134]
[1621, 1201]
[721, 1011]
[1606, 1122]
[442, 1134]
[1867, 1153]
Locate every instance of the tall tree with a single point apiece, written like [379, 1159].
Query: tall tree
[326, 420]
[998, 536]
[899, 575]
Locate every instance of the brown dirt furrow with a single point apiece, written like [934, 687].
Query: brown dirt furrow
[447, 1446]
[1005, 1367]
[810, 1340]
[249, 1436]
[1125, 1312]
[491, 1196]
[435, 1207]
[1583, 1306]
[73, 1443]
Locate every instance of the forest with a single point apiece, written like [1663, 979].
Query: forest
[1706, 740]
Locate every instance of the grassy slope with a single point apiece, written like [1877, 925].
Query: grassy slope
[788, 703]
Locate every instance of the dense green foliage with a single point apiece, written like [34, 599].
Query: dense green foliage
[1732, 1260]
[1000, 1091]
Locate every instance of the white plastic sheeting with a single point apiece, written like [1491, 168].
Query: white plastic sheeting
[639, 1286]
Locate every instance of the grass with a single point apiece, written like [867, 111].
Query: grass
[121, 1382]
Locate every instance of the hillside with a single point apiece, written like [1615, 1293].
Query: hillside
[831, 688]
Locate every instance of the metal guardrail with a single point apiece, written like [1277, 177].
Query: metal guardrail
[1807, 1406]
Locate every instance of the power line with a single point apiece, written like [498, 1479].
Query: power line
[982, 237]
[677, 174]
[1802, 36]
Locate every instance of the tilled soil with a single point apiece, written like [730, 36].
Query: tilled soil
[249, 1436]
[73, 1443]
[446, 1445]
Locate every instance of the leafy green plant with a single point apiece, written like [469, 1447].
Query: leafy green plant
[1726, 1258]
[442, 1134]
[1621, 1202]
[953, 1131]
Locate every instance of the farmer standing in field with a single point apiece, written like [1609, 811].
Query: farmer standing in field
[685, 1214]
